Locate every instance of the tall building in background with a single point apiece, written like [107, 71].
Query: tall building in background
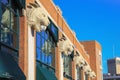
[113, 69]
[114, 65]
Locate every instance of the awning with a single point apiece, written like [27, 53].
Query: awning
[43, 73]
[9, 68]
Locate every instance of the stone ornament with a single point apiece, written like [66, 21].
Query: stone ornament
[65, 47]
[87, 69]
[92, 74]
[36, 17]
[79, 61]
[76, 59]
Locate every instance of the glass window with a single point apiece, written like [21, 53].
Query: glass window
[86, 76]
[67, 65]
[78, 73]
[45, 47]
[9, 25]
[54, 31]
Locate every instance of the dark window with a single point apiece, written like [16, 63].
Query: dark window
[78, 73]
[67, 64]
[53, 31]
[45, 47]
[86, 76]
[9, 26]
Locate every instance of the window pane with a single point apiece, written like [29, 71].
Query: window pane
[42, 42]
[78, 73]
[45, 61]
[46, 35]
[46, 45]
[50, 59]
[38, 55]
[54, 31]
[86, 76]
[4, 1]
[67, 65]
[9, 27]
[38, 40]
[43, 57]
[42, 33]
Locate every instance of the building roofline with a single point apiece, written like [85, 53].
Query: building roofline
[94, 41]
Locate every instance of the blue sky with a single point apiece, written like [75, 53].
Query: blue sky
[95, 20]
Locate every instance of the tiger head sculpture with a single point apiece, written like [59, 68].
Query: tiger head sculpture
[65, 47]
[36, 17]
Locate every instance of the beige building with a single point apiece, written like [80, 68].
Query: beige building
[113, 69]
[114, 65]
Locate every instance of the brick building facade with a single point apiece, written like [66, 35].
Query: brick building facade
[46, 47]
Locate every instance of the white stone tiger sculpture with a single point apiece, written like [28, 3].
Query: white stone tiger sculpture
[36, 17]
[65, 47]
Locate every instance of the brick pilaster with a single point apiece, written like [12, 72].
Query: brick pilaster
[73, 71]
[23, 49]
[82, 74]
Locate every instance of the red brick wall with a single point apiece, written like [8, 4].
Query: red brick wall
[23, 43]
[92, 48]
[62, 24]
[23, 50]
[56, 16]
